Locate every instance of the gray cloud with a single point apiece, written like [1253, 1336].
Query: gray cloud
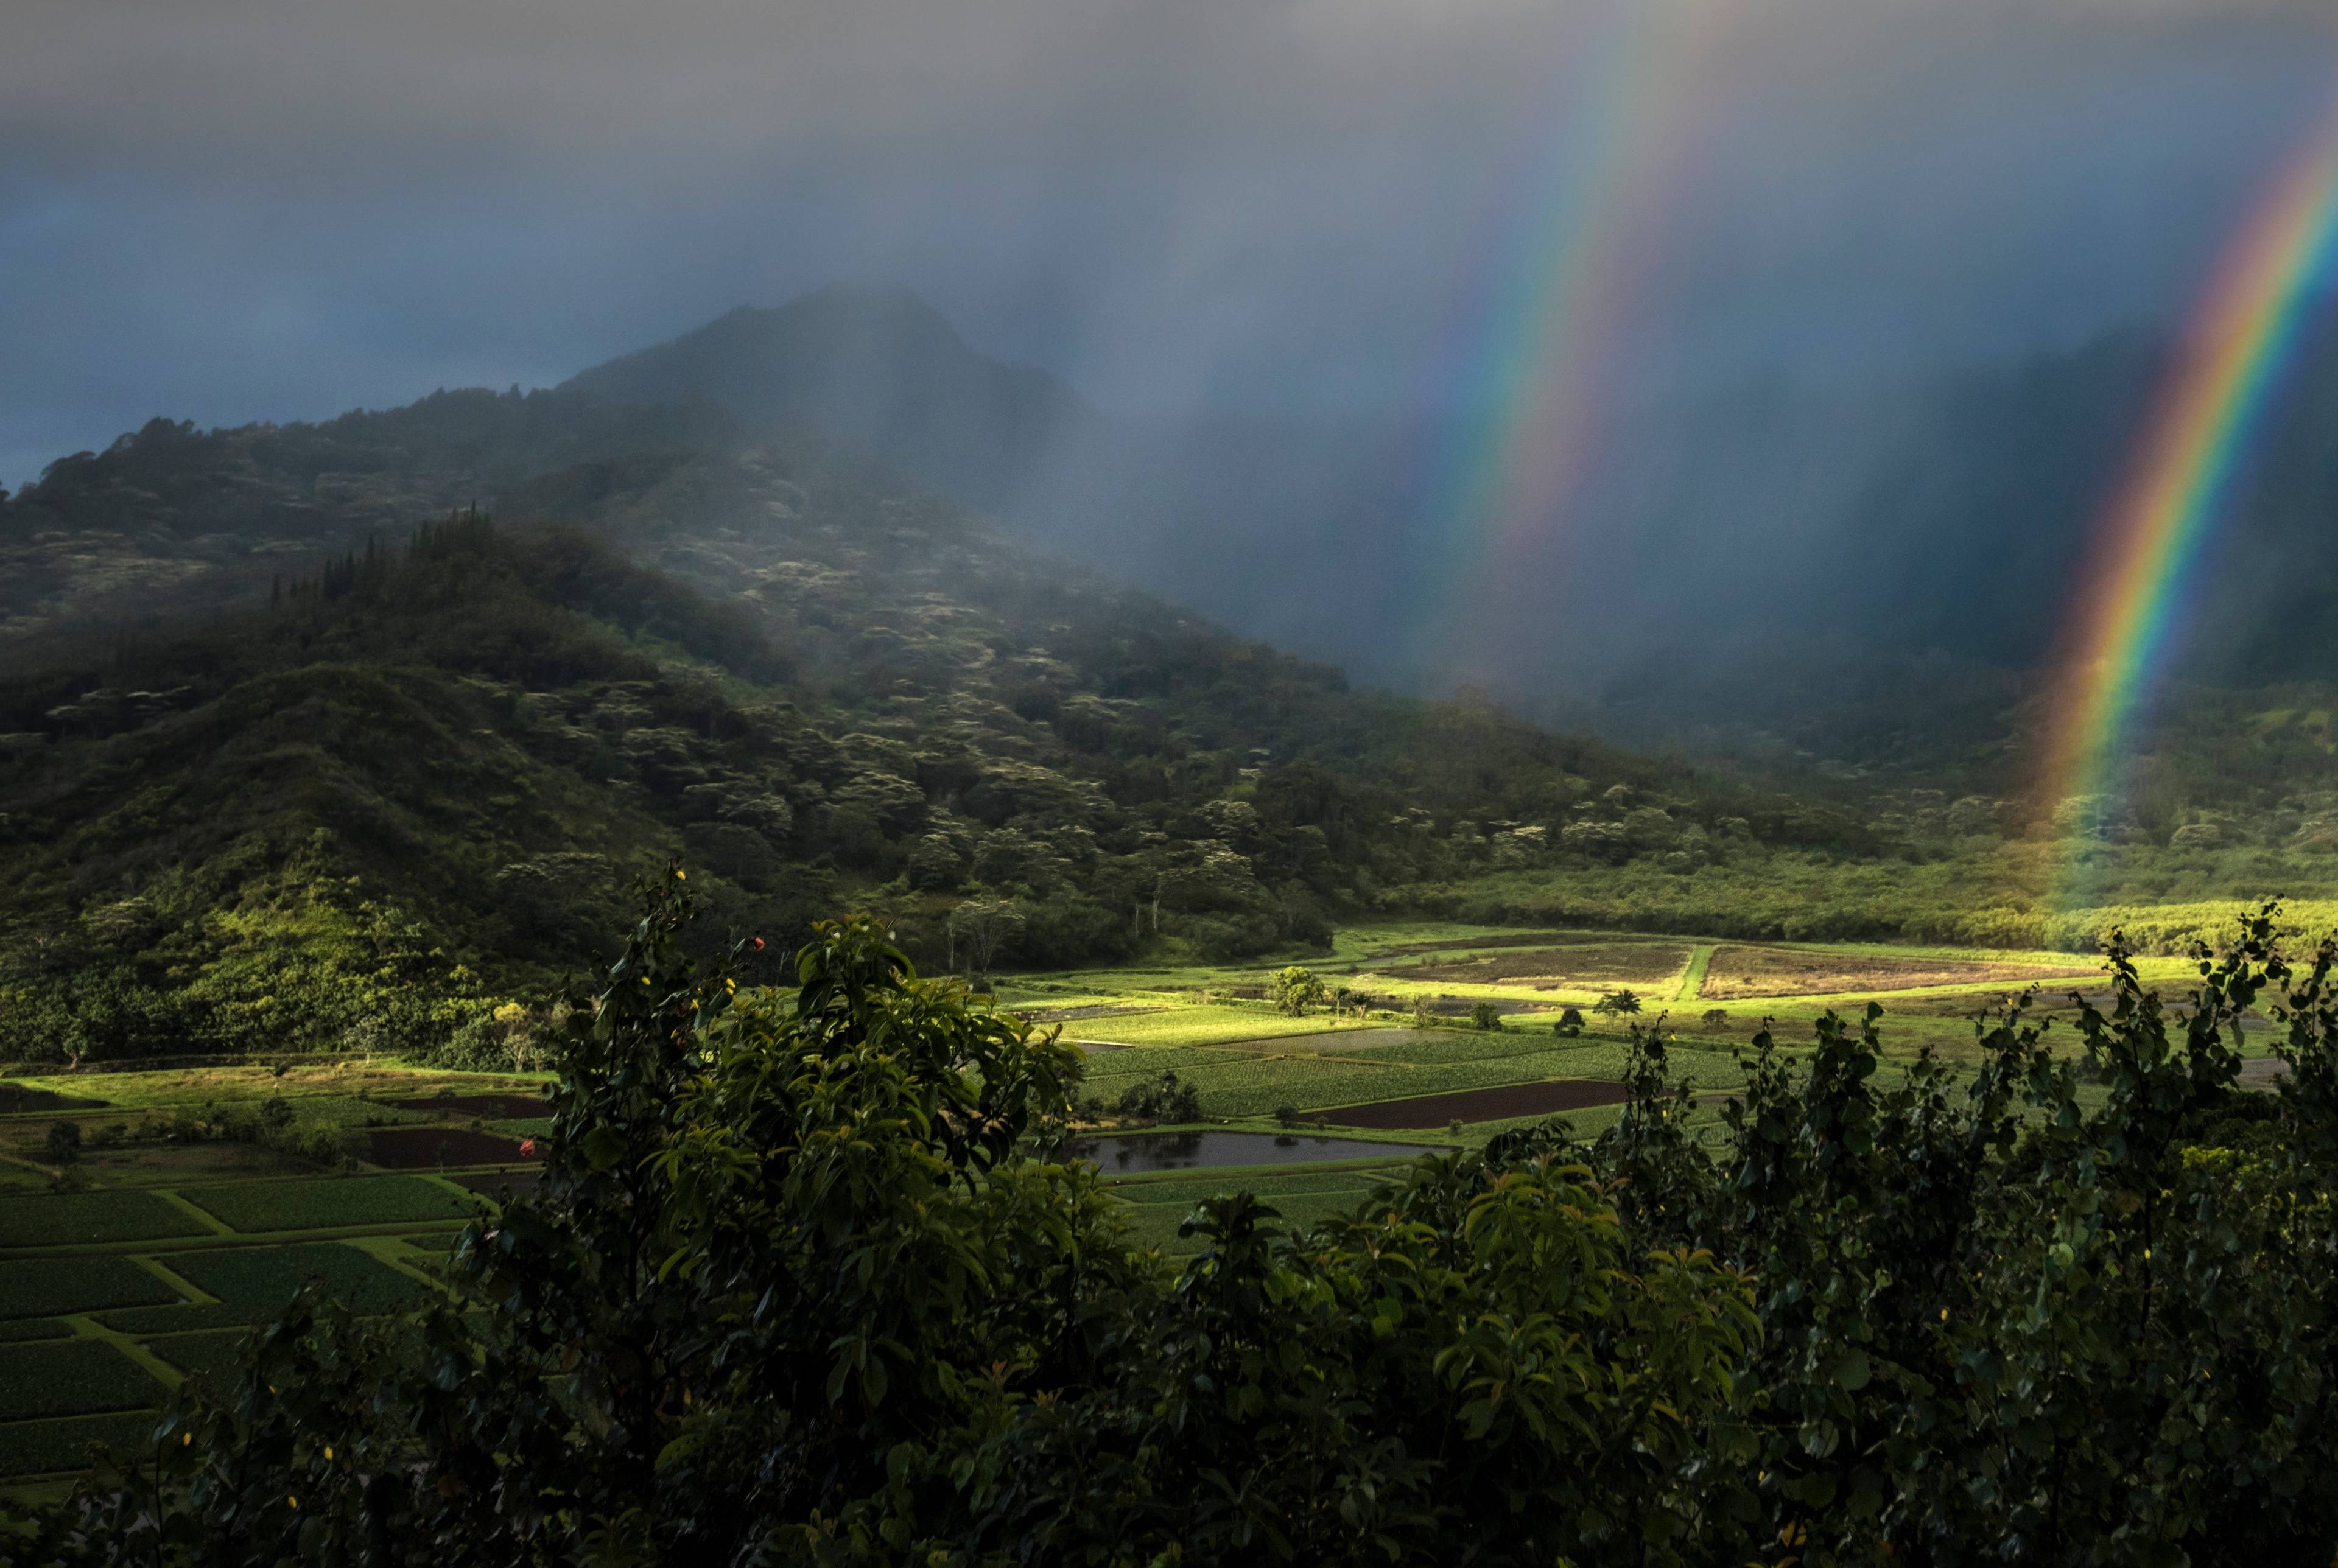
[237, 208]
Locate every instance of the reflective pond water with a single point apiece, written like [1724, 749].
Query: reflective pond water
[1130, 1153]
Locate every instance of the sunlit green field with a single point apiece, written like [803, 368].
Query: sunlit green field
[1217, 1029]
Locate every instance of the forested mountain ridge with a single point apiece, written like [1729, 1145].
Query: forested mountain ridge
[395, 786]
[168, 516]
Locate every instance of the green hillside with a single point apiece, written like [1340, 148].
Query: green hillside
[400, 785]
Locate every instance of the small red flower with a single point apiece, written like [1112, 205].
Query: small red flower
[527, 1147]
[755, 943]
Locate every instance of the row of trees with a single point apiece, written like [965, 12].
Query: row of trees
[803, 1284]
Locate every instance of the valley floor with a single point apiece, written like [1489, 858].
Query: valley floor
[180, 1232]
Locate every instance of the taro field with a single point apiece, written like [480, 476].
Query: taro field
[182, 1208]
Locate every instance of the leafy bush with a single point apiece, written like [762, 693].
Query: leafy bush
[1569, 1023]
[1163, 1099]
[1296, 989]
[1485, 1015]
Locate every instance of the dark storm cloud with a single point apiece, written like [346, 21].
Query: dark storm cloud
[245, 210]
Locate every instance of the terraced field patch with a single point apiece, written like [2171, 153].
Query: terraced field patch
[18, 1330]
[62, 1218]
[52, 1287]
[72, 1378]
[1743, 973]
[257, 1205]
[253, 1283]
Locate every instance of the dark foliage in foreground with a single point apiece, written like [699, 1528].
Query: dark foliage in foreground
[794, 1290]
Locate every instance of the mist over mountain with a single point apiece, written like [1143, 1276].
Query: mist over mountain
[1939, 522]
[879, 369]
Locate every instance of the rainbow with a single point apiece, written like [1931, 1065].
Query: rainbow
[2231, 361]
[1541, 320]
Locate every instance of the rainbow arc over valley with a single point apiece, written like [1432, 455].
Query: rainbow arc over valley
[1536, 345]
[2244, 336]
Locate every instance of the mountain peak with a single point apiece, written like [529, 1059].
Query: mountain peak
[875, 366]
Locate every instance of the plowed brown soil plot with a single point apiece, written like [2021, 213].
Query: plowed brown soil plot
[1584, 969]
[1740, 972]
[1482, 1105]
[427, 1148]
[493, 1106]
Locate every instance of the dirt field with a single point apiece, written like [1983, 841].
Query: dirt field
[1482, 1105]
[1740, 974]
[1581, 968]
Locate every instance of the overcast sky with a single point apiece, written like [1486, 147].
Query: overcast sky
[228, 210]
